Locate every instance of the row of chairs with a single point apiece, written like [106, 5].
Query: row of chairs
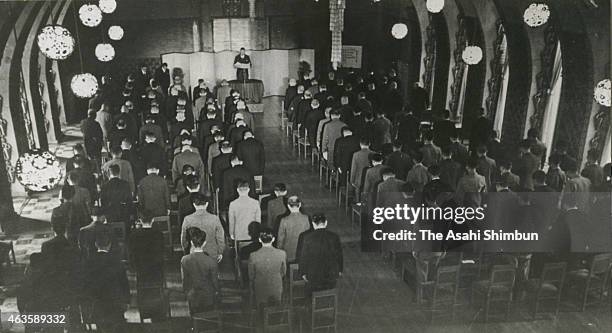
[503, 284]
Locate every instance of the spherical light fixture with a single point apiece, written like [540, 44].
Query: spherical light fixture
[602, 92]
[55, 42]
[399, 30]
[434, 6]
[472, 55]
[536, 14]
[38, 171]
[84, 85]
[105, 52]
[107, 6]
[115, 32]
[90, 15]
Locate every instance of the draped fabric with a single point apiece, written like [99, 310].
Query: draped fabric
[552, 106]
[336, 25]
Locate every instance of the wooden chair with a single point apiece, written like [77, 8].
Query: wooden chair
[548, 287]
[498, 289]
[323, 178]
[332, 179]
[324, 314]
[277, 319]
[283, 116]
[344, 191]
[120, 234]
[441, 294]
[162, 223]
[593, 281]
[207, 322]
[295, 138]
[297, 293]
[7, 251]
[258, 183]
[356, 211]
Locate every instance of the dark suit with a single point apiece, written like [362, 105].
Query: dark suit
[72, 216]
[319, 254]
[487, 168]
[460, 153]
[450, 172]
[481, 132]
[231, 177]
[55, 246]
[251, 151]
[153, 153]
[389, 192]
[408, 130]
[527, 164]
[382, 133]
[93, 138]
[106, 285]
[344, 150]
[219, 164]
[153, 197]
[400, 162]
[116, 199]
[163, 78]
[311, 122]
[373, 176]
[442, 131]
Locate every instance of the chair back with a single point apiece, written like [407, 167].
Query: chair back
[162, 223]
[553, 274]
[207, 322]
[601, 264]
[277, 319]
[297, 287]
[323, 310]
[503, 276]
[152, 302]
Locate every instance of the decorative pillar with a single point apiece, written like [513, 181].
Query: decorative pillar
[252, 9]
[195, 27]
[336, 26]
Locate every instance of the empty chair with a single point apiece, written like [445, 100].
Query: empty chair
[323, 311]
[207, 322]
[498, 289]
[548, 287]
[304, 142]
[441, 295]
[277, 319]
[593, 281]
[297, 293]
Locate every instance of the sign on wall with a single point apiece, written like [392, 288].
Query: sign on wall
[351, 56]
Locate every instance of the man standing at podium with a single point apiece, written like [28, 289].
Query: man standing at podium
[242, 63]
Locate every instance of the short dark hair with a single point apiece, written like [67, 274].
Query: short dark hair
[115, 169]
[116, 150]
[364, 141]
[472, 163]
[377, 157]
[434, 170]
[197, 236]
[199, 199]
[280, 187]
[418, 156]
[243, 185]
[428, 135]
[539, 176]
[58, 226]
[533, 133]
[103, 240]
[446, 150]
[571, 166]
[319, 218]
[554, 159]
[253, 229]
[266, 235]
[187, 167]
[506, 164]
[388, 172]
[482, 149]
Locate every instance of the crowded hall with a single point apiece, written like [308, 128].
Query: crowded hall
[305, 166]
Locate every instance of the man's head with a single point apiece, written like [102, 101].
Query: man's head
[571, 167]
[397, 145]
[197, 236]
[502, 185]
[103, 242]
[292, 82]
[280, 189]
[471, 164]
[524, 147]
[200, 201]
[73, 178]
[91, 114]
[533, 133]
[150, 137]
[388, 173]
[129, 105]
[307, 94]
[505, 166]
[143, 68]
[67, 192]
[344, 100]
[241, 105]
[242, 51]
[97, 215]
[364, 143]
[335, 114]
[539, 177]
[243, 188]
[346, 131]
[300, 89]
[377, 159]
[314, 104]
[192, 183]
[225, 147]
[235, 160]
[434, 171]
[328, 111]
[115, 170]
[121, 125]
[319, 221]
[126, 143]
[446, 152]
[294, 203]
[164, 66]
[116, 152]
[446, 114]
[152, 168]
[428, 137]
[592, 156]
[554, 160]
[481, 150]
[266, 236]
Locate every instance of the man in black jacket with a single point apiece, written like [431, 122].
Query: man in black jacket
[251, 152]
[105, 283]
[319, 254]
[116, 197]
[231, 177]
[93, 136]
[346, 146]
[443, 129]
